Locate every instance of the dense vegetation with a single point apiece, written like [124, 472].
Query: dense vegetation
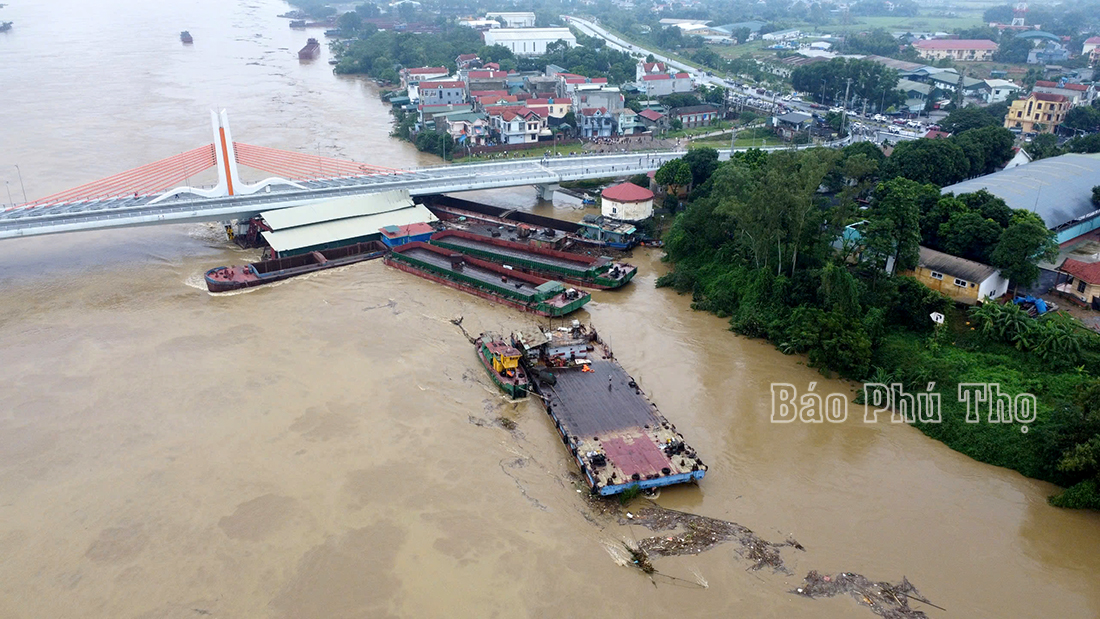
[758, 243]
[862, 80]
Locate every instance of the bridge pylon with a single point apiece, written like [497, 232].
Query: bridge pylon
[229, 180]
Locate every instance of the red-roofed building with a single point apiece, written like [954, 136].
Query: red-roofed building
[626, 202]
[967, 50]
[1080, 281]
[467, 61]
[936, 135]
[555, 107]
[1040, 112]
[643, 69]
[515, 124]
[653, 120]
[664, 84]
[595, 122]
[1091, 48]
[1078, 94]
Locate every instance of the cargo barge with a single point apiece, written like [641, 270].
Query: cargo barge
[186, 38]
[310, 51]
[577, 269]
[224, 279]
[487, 280]
[616, 435]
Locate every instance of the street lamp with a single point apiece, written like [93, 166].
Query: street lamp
[8, 185]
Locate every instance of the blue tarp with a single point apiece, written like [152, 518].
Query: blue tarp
[1040, 304]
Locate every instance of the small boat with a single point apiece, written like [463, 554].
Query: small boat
[5, 26]
[334, 61]
[501, 360]
[185, 36]
[298, 23]
[310, 51]
[223, 279]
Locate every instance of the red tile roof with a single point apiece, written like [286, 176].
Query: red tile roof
[490, 74]
[1046, 96]
[590, 111]
[598, 80]
[1088, 271]
[576, 80]
[654, 67]
[1093, 41]
[976, 44]
[932, 135]
[627, 192]
[1077, 87]
[651, 115]
[656, 76]
[682, 75]
[462, 57]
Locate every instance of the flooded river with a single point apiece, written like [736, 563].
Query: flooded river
[328, 446]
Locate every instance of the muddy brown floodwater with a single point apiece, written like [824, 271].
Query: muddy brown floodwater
[329, 447]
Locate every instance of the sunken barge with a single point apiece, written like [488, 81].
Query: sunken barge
[487, 280]
[616, 435]
[577, 269]
[224, 279]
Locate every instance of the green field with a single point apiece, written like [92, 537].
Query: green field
[922, 23]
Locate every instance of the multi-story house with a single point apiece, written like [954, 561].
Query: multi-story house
[1040, 112]
[966, 50]
[596, 122]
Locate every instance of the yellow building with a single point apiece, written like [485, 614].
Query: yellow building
[963, 280]
[1039, 108]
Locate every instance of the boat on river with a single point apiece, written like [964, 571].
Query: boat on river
[186, 37]
[311, 51]
[224, 279]
[577, 269]
[5, 25]
[616, 435]
[487, 280]
[501, 361]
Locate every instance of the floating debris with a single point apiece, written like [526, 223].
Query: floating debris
[883, 598]
[700, 533]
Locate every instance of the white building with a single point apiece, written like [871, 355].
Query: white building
[514, 20]
[1001, 90]
[783, 35]
[626, 202]
[529, 41]
[479, 24]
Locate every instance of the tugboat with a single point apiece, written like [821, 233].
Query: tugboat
[185, 36]
[501, 360]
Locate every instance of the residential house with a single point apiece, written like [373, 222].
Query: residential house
[467, 128]
[696, 115]
[916, 94]
[529, 41]
[966, 50]
[596, 95]
[442, 93]
[644, 68]
[514, 20]
[1048, 53]
[1001, 90]
[426, 113]
[485, 79]
[1040, 112]
[595, 122]
[1080, 281]
[544, 86]
[571, 83]
[664, 84]
[791, 123]
[515, 124]
[627, 122]
[965, 281]
[1091, 48]
[551, 109]
[653, 120]
[467, 61]
[414, 75]
[1078, 94]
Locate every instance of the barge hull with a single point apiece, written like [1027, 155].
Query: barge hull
[488, 296]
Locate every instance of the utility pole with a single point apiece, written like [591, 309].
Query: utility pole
[844, 110]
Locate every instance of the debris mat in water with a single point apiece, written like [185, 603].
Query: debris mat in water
[884, 599]
[696, 534]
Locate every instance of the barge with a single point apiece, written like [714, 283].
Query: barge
[186, 38]
[224, 279]
[487, 280]
[616, 435]
[311, 51]
[577, 269]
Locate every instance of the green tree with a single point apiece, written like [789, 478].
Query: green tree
[1021, 246]
[966, 118]
[969, 235]
[940, 162]
[702, 162]
[1096, 196]
[1085, 118]
[1043, 146]
[894, 228]
[349, 22]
